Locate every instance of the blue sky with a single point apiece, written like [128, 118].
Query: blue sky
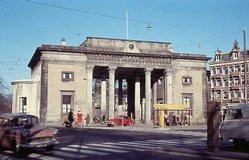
[187, 24]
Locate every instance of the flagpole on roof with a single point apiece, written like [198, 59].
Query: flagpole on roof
[127, 24]
[245, 65]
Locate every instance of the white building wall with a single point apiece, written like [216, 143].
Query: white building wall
[29, 89]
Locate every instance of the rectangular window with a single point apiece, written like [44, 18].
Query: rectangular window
[67, 76]
[22, 104]
[67, 101]
[187, 99]
[186, 80]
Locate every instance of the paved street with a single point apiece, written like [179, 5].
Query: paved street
[128, 143]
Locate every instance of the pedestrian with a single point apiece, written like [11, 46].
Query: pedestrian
[182, 119]
[70, 117]
[103, 119]
[87, 120]
[170, 119]
[165, 119]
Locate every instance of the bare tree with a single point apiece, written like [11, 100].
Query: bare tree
[5, 97]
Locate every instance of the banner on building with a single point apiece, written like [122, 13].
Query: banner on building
[171, 106]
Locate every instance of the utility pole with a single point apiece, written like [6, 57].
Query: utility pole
[245, 65]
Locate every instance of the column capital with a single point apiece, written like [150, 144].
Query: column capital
[89, 68]
[148, 71]
[112, 69]
[168, 72]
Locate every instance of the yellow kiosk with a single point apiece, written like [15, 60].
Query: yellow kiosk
[159, 111]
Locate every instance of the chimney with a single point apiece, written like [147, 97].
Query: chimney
[63, 41]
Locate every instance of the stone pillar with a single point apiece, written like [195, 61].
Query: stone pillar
[169, 86]
[148, 95]
[137, 100]
[89, 81]
[120, 92]
[103, 95]
[165, 87]
[111, 91]
[154, 93]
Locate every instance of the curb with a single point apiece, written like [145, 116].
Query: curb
[220, 154]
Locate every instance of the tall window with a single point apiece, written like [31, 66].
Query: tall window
[187, 99]
[67, 100]
[22, 104]
[66, 103]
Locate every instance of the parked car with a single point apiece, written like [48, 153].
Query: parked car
[236, 125]
[119, 120]
[20, 132]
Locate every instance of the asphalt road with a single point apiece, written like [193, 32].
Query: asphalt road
[131, 143]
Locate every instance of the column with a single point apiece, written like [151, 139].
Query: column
[137, 100]
[165, 87]
[103, 95]
[120, 92]
[89, 81]
[169, 86]
[111, 91]
[148, 95]
[154, 92]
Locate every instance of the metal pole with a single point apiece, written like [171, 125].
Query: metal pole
[245, 65]
[127, 24]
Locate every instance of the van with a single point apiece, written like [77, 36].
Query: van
[236, 125]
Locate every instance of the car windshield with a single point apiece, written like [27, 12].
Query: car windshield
[24, 121]
[235, 114]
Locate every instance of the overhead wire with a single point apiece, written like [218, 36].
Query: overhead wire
[140, 21]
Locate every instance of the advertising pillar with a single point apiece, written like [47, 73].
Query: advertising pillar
[213, 109]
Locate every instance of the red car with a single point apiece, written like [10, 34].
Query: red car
[119, 120]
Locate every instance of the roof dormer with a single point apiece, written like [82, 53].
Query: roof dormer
[234, 54]
[217, 56]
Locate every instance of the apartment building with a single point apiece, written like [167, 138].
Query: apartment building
[227, 76]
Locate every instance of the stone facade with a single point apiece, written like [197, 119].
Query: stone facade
[65, 77]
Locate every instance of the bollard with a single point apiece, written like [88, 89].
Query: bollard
[213, 109]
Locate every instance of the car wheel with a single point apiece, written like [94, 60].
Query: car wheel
[239, 143]
[115, 124]
[18, 150]
[131, 124]
[49, 148]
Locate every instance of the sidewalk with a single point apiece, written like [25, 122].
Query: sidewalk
[205, 154]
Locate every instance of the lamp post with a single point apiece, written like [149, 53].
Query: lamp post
[245, 65]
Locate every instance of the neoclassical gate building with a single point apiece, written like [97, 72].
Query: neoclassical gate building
[62, 78]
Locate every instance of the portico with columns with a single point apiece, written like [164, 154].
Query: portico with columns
[140, 64]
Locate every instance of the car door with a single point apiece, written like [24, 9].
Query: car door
[4, 132]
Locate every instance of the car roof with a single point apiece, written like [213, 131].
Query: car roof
[14, 115]
[240, 106]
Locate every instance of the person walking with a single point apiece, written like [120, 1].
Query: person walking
[170, 119]
[87, 120]
[103, 119]
[70, 117]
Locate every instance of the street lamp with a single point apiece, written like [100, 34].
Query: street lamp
[149, 26]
